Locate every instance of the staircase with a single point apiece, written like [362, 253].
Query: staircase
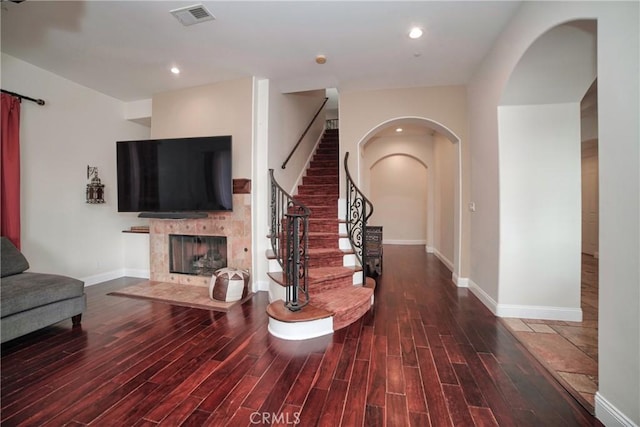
[336, 292]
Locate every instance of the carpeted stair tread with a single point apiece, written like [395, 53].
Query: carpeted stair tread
[309, 312]
[319, 275]
[331, 288]
[346, 304]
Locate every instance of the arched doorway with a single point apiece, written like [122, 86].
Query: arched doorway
[443, 220]
[541, 125]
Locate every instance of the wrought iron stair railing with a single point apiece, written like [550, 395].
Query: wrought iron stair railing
[359, 210]
[290, 243]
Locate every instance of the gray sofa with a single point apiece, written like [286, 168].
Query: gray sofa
[31, 301]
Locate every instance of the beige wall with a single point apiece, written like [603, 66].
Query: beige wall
[618, 63]
[289, 115]
[225, 108]
[399, 196]
[217, 109]
[445, 178]
[362, 112]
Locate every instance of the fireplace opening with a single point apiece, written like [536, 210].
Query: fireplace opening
[197, 255]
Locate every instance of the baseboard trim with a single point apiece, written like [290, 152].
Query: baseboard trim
[443, 258]
[539, 312]
[461, 282]
[115, 274]
[403, 242]
[261, 285]
[484, 297]
[609, 415]
[137, 272]
[102, 277]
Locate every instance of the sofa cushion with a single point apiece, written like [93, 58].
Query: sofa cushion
[13, 262]
[28, 290]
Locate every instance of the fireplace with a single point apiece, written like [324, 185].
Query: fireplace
[197, 255]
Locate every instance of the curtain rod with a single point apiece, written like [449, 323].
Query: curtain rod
[28, 98]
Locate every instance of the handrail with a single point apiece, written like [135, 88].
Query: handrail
[290, 242]
[284, 165]
[359, 210]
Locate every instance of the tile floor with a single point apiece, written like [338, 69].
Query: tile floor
[568, 349]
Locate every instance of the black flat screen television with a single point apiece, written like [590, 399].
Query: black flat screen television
[175, 175]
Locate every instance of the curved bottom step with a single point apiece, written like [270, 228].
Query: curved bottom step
[333, 310]
[310, 322]
[346, 304]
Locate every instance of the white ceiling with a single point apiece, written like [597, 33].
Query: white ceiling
[125, 48]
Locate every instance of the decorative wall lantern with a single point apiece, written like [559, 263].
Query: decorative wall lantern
[95, 189]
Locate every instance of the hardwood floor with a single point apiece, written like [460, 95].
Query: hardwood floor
[426, 354]
[569, 350]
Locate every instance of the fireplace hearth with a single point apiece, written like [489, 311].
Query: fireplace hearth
[197, 255]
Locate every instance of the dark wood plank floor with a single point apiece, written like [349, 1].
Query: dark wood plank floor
[427, 354]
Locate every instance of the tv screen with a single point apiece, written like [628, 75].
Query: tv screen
[175, 175]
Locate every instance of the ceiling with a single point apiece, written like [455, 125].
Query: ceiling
[125, 49]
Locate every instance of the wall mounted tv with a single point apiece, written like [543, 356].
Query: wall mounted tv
[180, 175]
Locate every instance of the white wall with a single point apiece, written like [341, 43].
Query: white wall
[619, 156]
[77, 127]
[540, 211]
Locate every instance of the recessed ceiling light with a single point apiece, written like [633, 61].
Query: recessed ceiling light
[321, 59]
[398, 130]
[175, 70]
[415, 33]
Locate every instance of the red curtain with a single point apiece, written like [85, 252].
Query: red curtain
[10, 173]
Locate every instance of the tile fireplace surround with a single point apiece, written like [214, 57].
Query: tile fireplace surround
[235, 226]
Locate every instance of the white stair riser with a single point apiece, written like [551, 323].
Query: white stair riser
[296, 331]
[274, 266]
[357, 278]
[276, 291]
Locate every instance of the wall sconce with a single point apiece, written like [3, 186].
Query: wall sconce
[95, 189]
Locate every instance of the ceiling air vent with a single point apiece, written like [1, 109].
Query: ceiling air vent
[192, 14]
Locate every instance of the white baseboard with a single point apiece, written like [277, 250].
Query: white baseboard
[569, 314]
[261, 285]
[137, 272]
[115, 274]
[102, 277]
[609, 415]
[461, 282]
[443, 258]
[484, 297]
[403, 242]
[429, 249]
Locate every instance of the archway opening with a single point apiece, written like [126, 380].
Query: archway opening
[410, 166]
[542, 129]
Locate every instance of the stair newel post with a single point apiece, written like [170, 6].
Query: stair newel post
[297, 257]
[293, 261]
[289, 242]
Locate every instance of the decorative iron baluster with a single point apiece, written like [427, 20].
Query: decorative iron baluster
[289, 242]
[359, 209]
